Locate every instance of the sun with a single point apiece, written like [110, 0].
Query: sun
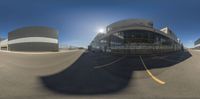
[101, 30]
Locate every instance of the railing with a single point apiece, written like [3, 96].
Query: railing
[142, 47]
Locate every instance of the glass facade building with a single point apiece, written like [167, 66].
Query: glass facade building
[136, 36]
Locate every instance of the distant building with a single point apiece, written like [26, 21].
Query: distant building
[197, 44]
[37, 38]
[4, 44]
[136, 36]
[98, 44]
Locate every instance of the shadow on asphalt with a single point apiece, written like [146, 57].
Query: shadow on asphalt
[81, 78]
[162, 61]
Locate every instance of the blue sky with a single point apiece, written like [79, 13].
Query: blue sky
[78, 21]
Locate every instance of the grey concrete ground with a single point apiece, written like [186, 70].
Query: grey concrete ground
[86, 75]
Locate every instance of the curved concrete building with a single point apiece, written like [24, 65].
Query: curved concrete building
[197, 44]
[136, 36]
[35, 38]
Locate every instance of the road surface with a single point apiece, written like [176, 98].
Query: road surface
[85, 75]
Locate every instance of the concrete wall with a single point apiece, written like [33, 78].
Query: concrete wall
[33, 46]
[33, 39]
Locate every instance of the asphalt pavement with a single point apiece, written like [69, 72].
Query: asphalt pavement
[86, 75]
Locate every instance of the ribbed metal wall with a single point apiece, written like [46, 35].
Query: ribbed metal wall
[35, 38]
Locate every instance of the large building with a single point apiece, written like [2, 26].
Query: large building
[36, 38]
[136, 36]
[4, 44]
[97, 44]
[197, 44]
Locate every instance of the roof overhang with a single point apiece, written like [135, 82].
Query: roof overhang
[140, 28]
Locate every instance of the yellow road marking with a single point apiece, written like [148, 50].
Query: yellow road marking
[150, 74]
[101, 66]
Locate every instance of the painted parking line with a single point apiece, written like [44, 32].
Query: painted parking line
[178, 59]
[169, 60]
[150, 74]
[101, 66]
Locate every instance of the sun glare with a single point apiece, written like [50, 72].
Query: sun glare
[101, 30]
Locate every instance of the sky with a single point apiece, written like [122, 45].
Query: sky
[78, 21]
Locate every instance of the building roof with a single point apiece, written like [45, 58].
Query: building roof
[33, 31]
[130, 22]
[139, 24]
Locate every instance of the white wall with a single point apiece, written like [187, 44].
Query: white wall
[4, 43]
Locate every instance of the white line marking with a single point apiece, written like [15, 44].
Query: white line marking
[101, 66]
[169, 60]
[33, 39]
